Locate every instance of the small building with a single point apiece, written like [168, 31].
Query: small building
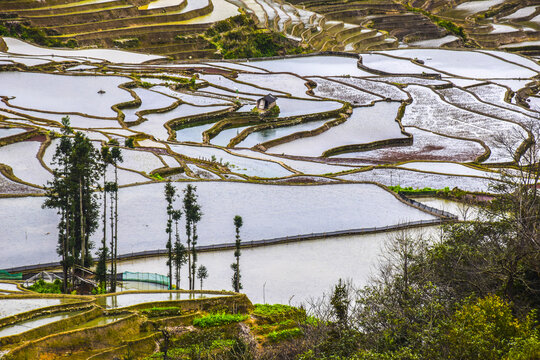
[266, 102]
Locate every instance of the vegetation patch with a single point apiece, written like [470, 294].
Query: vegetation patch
[218, 319]
[277, 313]
[285, 334]
[32, 34]
[43, 287]
[239, 37]
[447, 24]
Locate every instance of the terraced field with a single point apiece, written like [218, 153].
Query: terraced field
[175, 28]
[103, 326]
[408, 117]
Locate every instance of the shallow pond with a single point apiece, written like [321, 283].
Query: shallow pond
[8, 286]
[157, 4]
[5, 132]
[222, 10]
[193, 133]
[365, 125]
[295, 107]
[286, 83]
[34, 323]
[154, 124]
[225, 136]
[473, 64]
[448, 168]
[114, 56]
[266, 210]
[129, 299]
[237, 164]
[64, 94]
[22, 158]
[314, 65]
[9, 307]
[293, 272]
[270, 134]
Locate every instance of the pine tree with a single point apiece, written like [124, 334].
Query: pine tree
[170, 192]
[202, 273]
[179, 250]
[115, 157]
[237, 285]
[101, 269]
[71, 192]
[193, 214]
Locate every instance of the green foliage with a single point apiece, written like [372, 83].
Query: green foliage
[146, 85]
[129, 142]
[486, 329]
[448, 25]
[340, 303]
[212, 343]
[77, 170]
[32, 34]
[286, 334]
[202, 273]
[278, 312]
[43, 287]
[453, 28]
[238, 37]
[99, 290]
[219, 319]
[274, 111]
[444, 192]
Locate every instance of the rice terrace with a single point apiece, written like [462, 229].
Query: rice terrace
[263, 179]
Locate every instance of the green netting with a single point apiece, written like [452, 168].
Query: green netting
[145, 277]
[4, 275]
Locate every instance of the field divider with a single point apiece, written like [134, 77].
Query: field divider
[444, 217]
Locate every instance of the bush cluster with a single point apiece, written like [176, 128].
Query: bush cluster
[219, 319]
[239, 37]
[43, 287]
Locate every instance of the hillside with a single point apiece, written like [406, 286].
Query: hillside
[176, 28]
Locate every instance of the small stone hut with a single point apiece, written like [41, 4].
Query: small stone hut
[266, 102]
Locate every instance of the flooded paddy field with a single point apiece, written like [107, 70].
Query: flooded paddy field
[292, 273]
[353, 123]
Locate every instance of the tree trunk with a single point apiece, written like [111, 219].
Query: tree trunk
[113, 279]
[104, 242]
[64, 253]
[81, 217]
[194, 265]
[115, 223]
[189, 253]
[170, 252]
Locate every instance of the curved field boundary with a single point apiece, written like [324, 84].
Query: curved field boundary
[83, 302]
[341, 112]
[18, 137]
[265, 242]
[145, 345]
[53, 327]
[148, 20]
[101, 335]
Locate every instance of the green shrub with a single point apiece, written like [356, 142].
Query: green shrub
[43, 287]
[286, 334]
[219, 319]
[129, 143]
[411, 190]
[278, 313]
